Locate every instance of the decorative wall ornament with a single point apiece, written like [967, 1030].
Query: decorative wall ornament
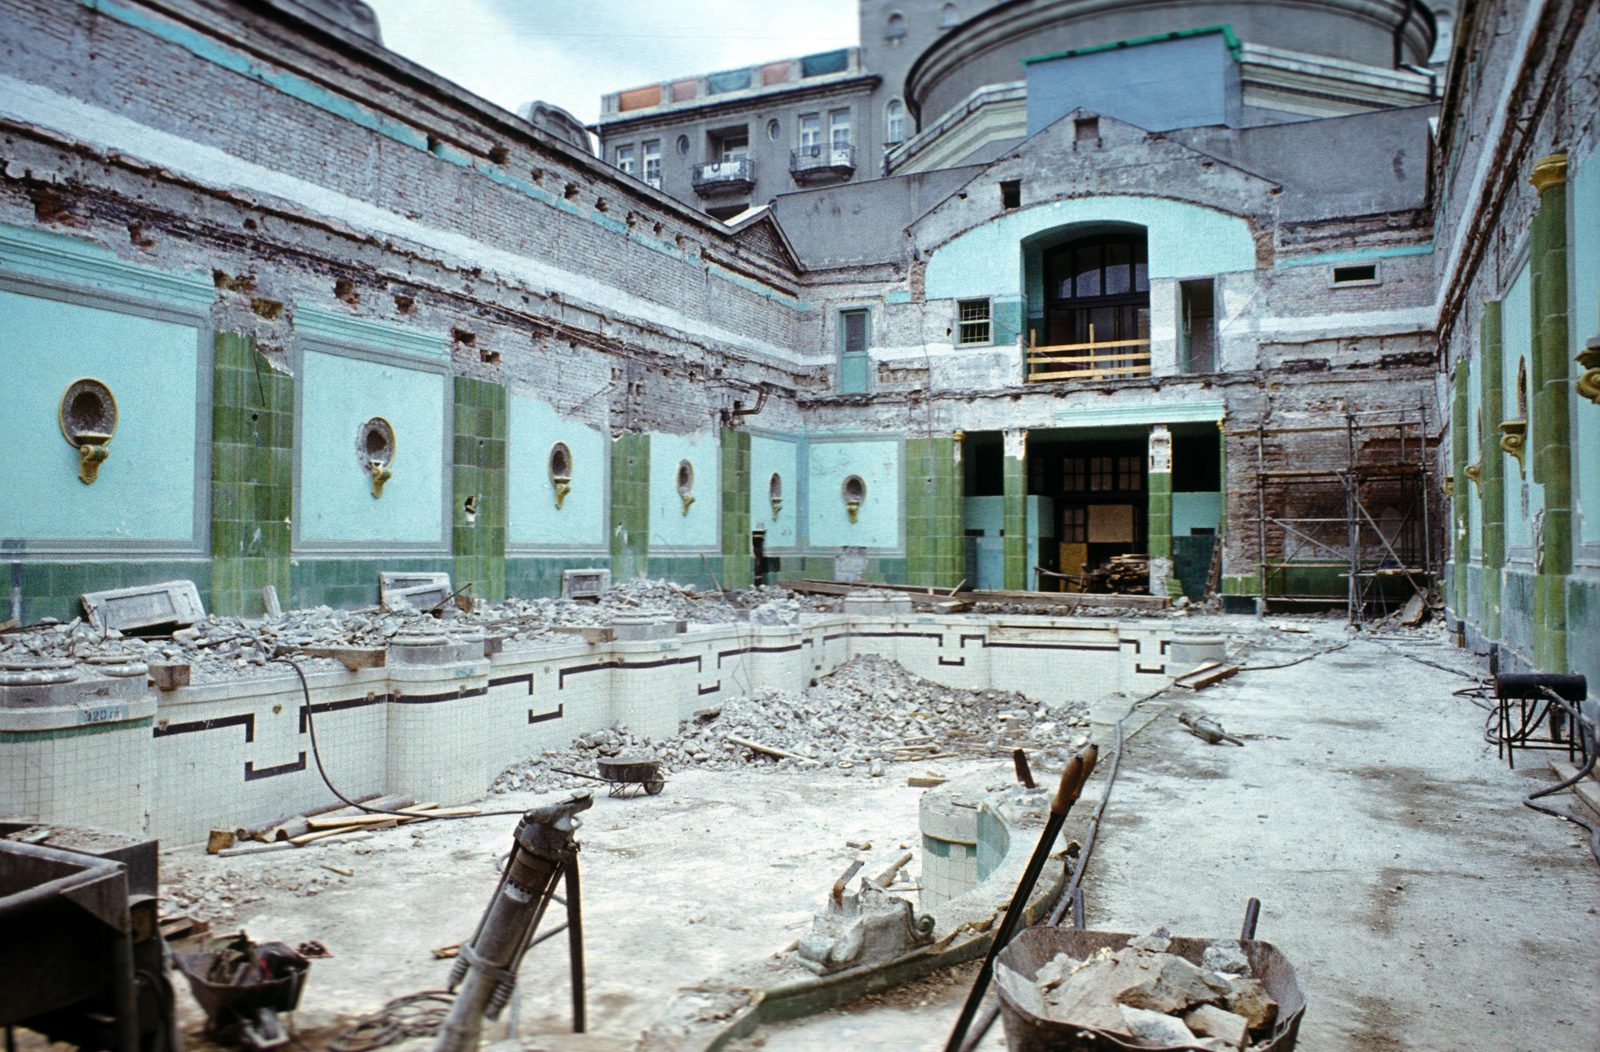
[775, 493]
[88, 418]
[375, 450]
[1514, 433]
[686, 484]
[1475, 473]
[854, 491]
[561, 471]
[1588, 384]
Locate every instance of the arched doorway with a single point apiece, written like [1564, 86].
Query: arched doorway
[1097, 309]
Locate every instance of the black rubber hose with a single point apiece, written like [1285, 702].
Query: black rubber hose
[1591, 750]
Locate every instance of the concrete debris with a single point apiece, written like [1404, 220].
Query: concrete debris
[1159, 998]
[212, 648]
[869, 711]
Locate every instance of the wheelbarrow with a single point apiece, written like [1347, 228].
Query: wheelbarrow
[625, 774]
[243, 987]
[1027, 1030]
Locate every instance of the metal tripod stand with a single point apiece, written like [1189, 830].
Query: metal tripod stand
[543, 851]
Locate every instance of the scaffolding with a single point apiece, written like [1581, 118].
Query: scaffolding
[1365, 507]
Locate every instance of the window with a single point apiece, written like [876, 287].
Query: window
[1086, 129]
[1074, 478]
[894, 124]
[1365, 274]
[732, 147]
[1097, 290]
[810, 133]
[1075, 524]
[625, 159]
[948, 17]
[1011, 193]
[652, 163]
[854, 336]
[973, 321]
[683, 146]
[897, 28]
[774, 129]
[839, 129]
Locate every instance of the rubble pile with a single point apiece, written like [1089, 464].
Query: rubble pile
[867, 712]
[1148, 996]
[218, 648]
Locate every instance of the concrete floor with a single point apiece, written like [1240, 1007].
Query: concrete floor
[1423, 906]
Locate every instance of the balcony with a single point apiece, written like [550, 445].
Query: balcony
[1109, 360]
[820, 162]
[725, 178]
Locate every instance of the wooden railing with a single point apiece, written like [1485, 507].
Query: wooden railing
[1113, 359]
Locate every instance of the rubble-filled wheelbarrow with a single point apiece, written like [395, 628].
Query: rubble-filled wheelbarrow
[242, 987]
[1028, 1029]
[624, 774]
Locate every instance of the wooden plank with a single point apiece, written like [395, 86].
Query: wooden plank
[1068, 600]
[1205, 676]
[591, 633]
[352, 658]
[339, 822]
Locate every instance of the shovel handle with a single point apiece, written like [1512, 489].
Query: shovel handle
[1079, 768]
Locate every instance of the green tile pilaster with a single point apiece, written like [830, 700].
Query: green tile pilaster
[1491, 464]
[252, 437]
[1461, 543]
[478, 493]
[738, 569]
[933, 512]
[1015, 474]
[630, 505]
[1551, 436]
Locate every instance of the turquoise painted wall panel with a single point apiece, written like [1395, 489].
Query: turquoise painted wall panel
[145, 489]
[984, 513]
[1518, 348]
[532, 517]
[1195, 509]
[780, 456]
[1584, 194]
[877, 523]
[701, 527]
[338, 395]
[1185, 241]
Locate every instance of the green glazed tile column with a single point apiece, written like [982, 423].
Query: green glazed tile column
[738, 563]
[1491, 464]
[252, 476]
[1015, 473]
[1461, 543]
[479, 490]
[630, 505]
[933, 512]
[1159, 512]
[1551, 437]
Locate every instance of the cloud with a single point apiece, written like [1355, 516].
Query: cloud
[569, 52]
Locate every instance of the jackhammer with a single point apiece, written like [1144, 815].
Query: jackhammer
[542, 851]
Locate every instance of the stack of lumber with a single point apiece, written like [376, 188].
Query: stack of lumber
[1129, 574]
[374, 812]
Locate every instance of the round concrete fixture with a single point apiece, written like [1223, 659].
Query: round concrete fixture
[686, 484]
[561, 471]
[88, 418]
[375, 451]
[854, 491]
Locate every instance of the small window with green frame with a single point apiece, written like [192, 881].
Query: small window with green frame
[973, 322]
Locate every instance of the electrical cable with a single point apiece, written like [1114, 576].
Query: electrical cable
[1591, 751]
[316, 752]
[1296, 661]
[414, 1015]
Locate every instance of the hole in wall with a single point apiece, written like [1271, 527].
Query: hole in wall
[560, 461]
[469, 508]
[499, 155]
[375, 444]
[685, 478]
[853, 489]
[572, 191]
[775, 487]
[87, 408]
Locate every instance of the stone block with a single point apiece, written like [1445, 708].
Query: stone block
[144, 606]
[1211, 1021]
[1156, 1028]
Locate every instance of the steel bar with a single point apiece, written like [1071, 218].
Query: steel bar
[1252, 913]
[580, 1012]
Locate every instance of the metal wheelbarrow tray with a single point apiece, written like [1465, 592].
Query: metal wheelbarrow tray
[624, 774]
[1032, 948]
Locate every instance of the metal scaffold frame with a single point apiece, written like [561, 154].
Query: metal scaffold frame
[1385, 476]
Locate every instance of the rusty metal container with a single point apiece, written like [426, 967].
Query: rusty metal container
[1034, 947]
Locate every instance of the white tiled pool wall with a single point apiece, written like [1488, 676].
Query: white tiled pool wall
[240, 753]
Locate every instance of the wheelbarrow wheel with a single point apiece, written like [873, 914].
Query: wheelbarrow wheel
[654, 788]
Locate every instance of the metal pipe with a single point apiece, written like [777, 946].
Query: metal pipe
[1252, 913]
[580, 1012]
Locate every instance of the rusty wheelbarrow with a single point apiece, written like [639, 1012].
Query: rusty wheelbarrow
[624, 774]
[244, 986]
[1027, 1030]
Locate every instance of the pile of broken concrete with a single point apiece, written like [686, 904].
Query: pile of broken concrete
[1148, 996]
[869, 712]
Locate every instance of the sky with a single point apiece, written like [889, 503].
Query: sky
[570, 52]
